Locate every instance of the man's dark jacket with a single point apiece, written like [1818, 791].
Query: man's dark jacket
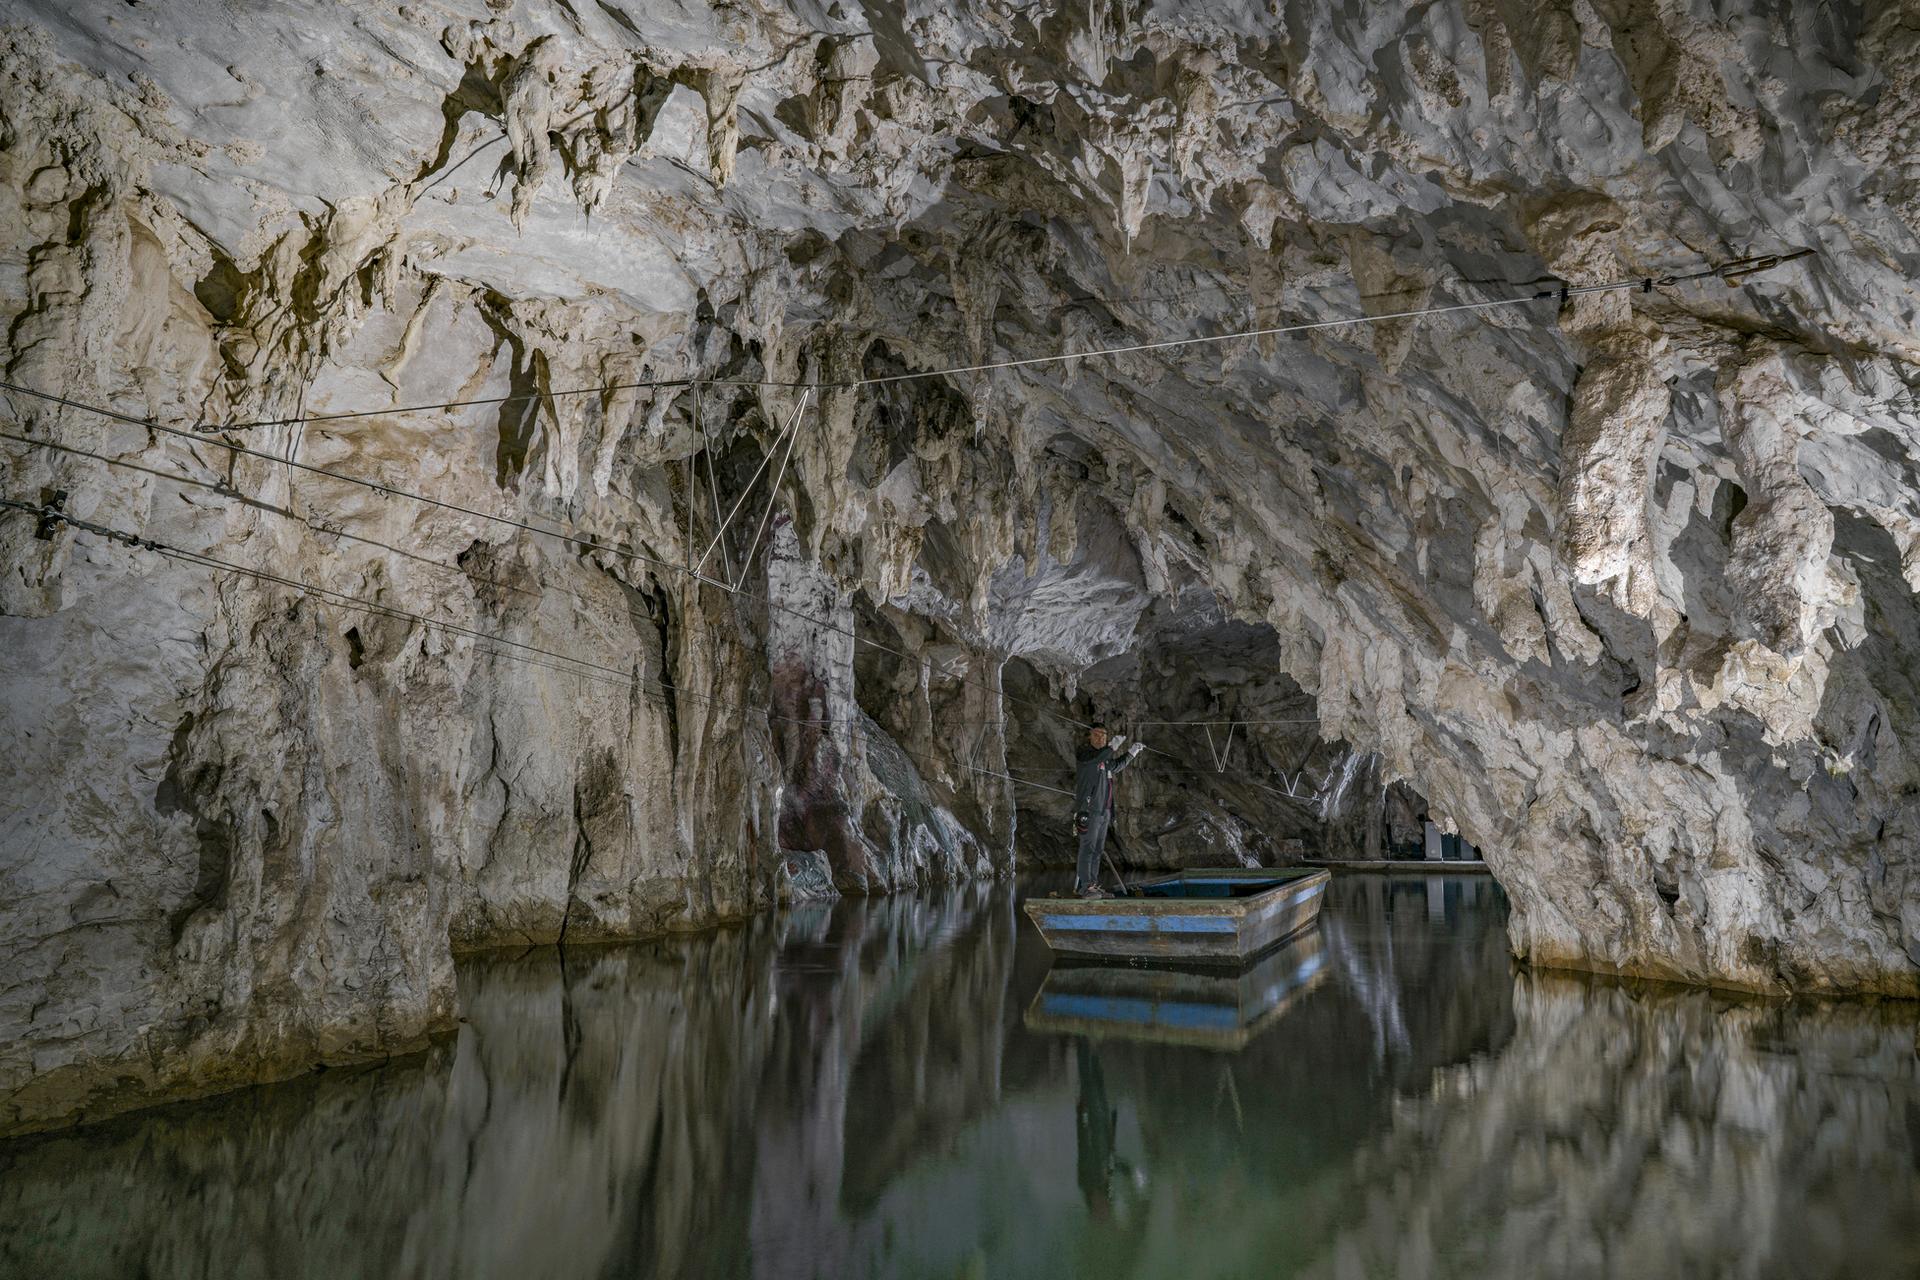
[1093, 772]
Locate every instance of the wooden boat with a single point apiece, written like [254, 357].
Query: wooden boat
[1207, 1007]
[1218, 916]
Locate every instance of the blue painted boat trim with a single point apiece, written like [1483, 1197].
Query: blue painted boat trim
[1144, 1012]
[1141, 923]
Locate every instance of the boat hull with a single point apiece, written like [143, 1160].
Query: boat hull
[1209, 1006]
[1241, 914]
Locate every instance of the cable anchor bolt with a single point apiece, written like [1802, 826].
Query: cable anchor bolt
[51, 506]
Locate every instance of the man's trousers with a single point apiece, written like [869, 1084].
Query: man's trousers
[1086, 868]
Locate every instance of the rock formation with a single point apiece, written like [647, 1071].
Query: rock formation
[1619, 586]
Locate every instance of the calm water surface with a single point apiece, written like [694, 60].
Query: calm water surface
[905, 1087]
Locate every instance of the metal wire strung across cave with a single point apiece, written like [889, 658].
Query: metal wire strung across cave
[49, 516]
[392, 492]
[1732, 272]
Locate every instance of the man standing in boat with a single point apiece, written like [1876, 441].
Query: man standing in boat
[1094, 770]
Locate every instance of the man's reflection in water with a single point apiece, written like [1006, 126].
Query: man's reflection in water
[1096, 1126]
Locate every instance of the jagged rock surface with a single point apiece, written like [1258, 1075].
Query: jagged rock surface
[1627, 598]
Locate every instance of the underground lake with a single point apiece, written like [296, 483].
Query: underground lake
[911, 1086]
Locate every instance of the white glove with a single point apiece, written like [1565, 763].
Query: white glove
[1136, 749]
[1117, 741]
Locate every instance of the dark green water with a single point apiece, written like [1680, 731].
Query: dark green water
[900, 1087]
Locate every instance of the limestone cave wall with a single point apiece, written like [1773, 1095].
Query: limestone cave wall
[1620, 586]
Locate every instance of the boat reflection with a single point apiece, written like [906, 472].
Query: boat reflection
[1201, 1008]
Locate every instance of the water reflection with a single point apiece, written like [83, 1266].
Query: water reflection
[1211, 1008]
[862, 1090]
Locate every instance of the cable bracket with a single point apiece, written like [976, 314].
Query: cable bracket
[52, 504]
